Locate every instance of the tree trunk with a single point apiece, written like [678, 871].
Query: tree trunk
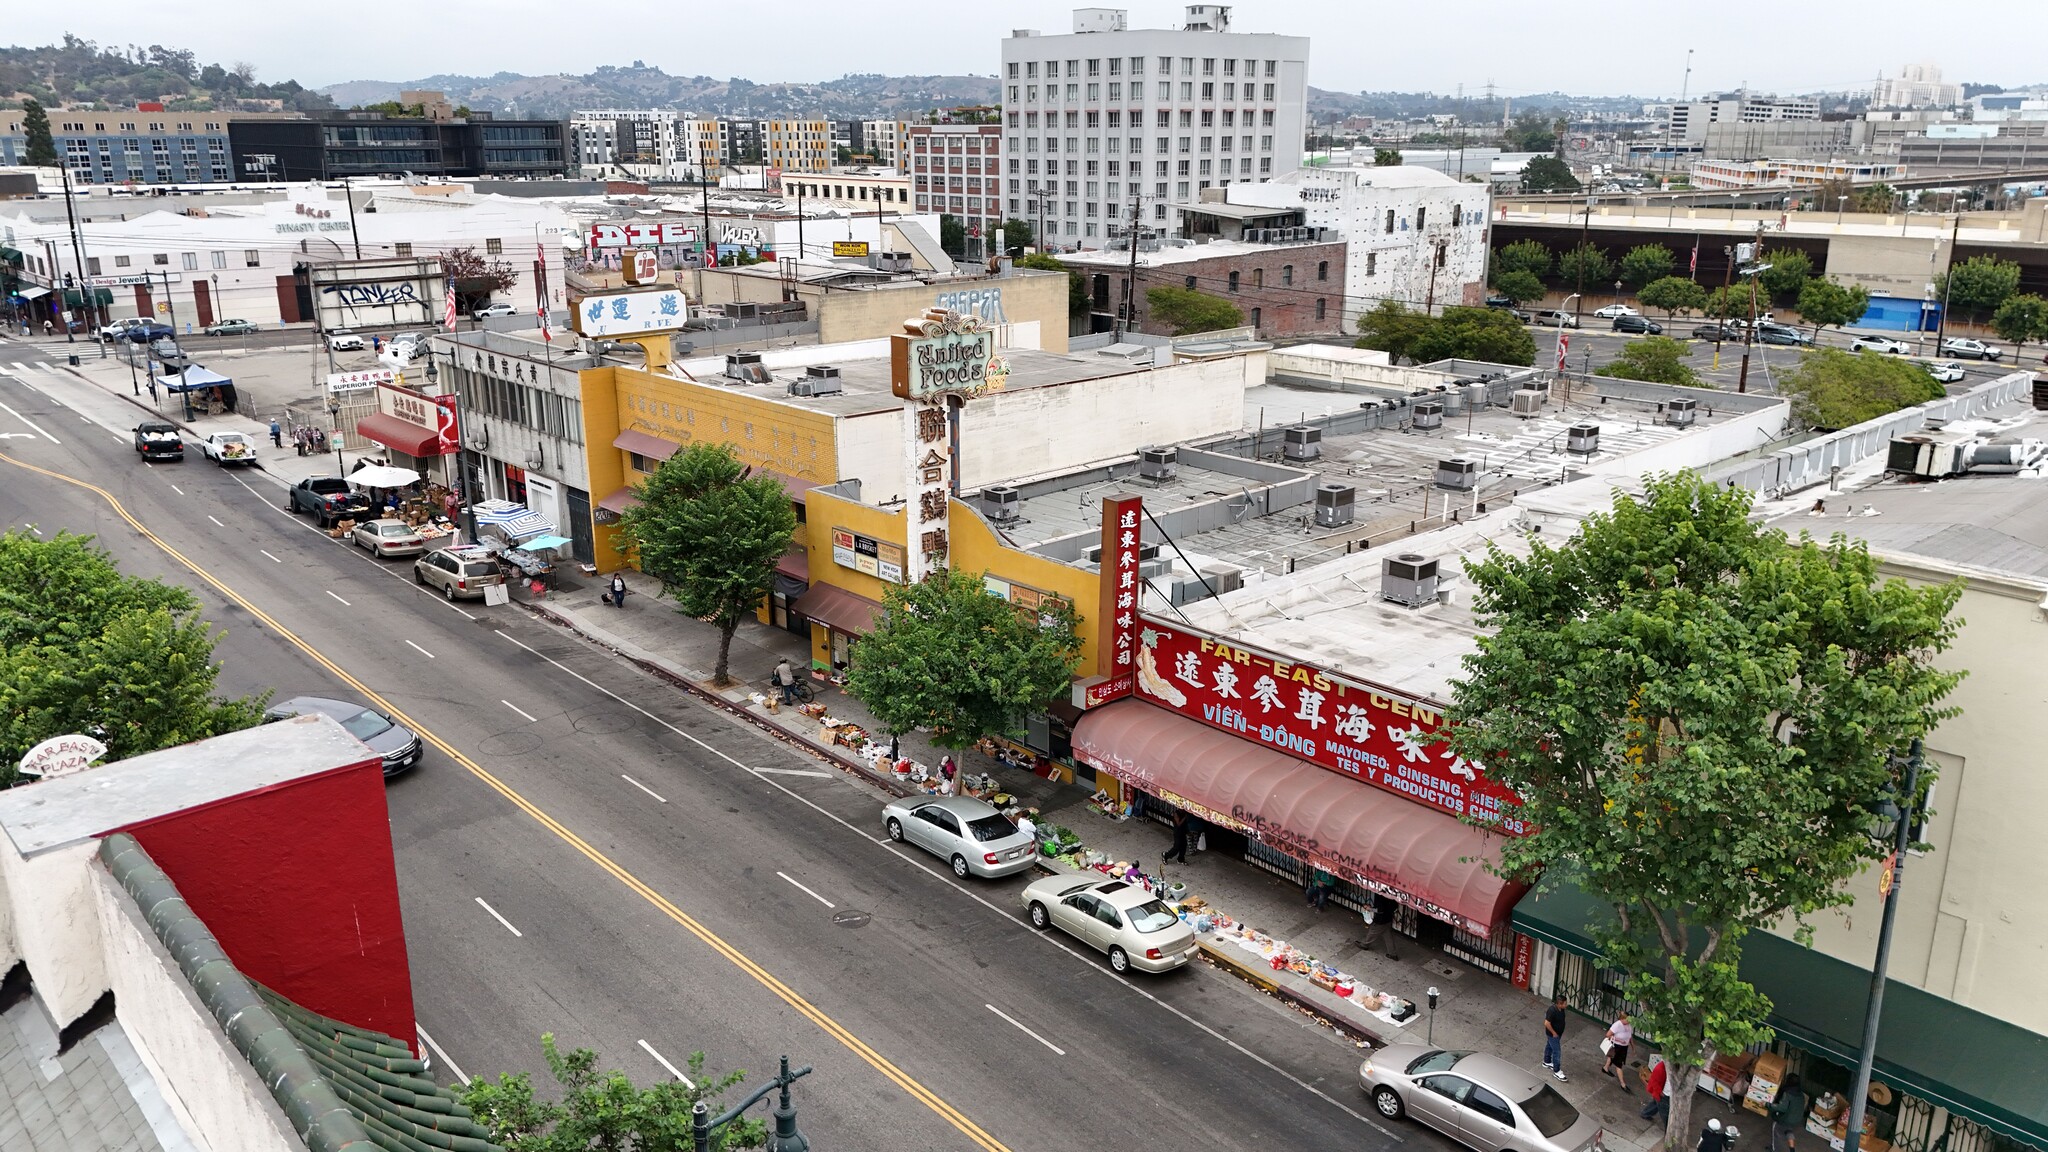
[725, 631]
[1681, 1085]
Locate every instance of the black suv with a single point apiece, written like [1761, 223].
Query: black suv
[1641, 324]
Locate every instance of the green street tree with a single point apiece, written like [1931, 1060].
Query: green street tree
[2020, 319]
[1730, 302]
[1644, 263]
[86, 649]
[1835, 389]
[1789, 271]
[604, 1110]
[1658, 359]
[1386, 158]
[1584, 268]
[952, 235]
[1017, 236]
[1548, 174]
[711, 532]
[949, 658]
[1700, 715]
[35, 128]
[1978, 286]
[1077, 288]
[1529, 256]
[1673, 294]
[1393, 329]
[1826, 304]
[1518, 286]
[1189, 311]
[1487, 334]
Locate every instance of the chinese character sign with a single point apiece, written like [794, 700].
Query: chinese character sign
[1116, 630]
[927, 485]
[1349, 728]
[630, 313]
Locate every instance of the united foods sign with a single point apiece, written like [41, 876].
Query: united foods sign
[944, 353]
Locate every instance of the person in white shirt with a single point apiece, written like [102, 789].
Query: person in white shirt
[1025, 826]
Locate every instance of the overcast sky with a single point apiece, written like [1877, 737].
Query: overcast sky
[1522, 47]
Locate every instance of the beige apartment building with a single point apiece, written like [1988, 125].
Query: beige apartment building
[797, 145]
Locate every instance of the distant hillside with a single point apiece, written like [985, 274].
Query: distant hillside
[866, 96]
[81, 72]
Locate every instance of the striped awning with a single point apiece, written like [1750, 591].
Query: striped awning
[514, 521]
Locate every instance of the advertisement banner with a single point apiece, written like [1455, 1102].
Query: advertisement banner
[849, 248]
[451, 439]
[1116, 642]
[1349, 727]
[628, 313]
[359, 381]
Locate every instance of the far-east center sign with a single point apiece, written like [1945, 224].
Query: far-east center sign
[944, 353]
[630, 313]
[1353, 729]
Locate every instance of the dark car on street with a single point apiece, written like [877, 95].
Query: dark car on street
[1716, 332]
[328, 498]
[149, 332]
[1639, 324]
[396, 743]
[159, 440]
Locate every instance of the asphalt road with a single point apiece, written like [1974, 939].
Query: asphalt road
[1596, 344]
[588, 852]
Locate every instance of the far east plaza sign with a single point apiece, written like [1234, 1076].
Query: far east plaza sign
[1298, 710]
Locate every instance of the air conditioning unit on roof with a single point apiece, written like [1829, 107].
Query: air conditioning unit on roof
[1302, 443]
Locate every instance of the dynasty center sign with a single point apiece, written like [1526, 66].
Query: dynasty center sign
[1353, 729]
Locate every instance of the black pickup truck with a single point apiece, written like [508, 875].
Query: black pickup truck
[328, 498]
[159, 440]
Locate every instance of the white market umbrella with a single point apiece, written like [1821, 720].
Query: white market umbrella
[379, 476]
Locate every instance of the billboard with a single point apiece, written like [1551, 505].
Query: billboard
[631, 313]
[640, 234]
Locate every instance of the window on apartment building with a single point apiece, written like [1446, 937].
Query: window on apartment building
[1321, 305]
[1095, 67]
[1421, 215]
[120, 261]
[1265, 92]
[1270, 66]
[1031, 91]
[1187, 118]
[1116, 90]
[1286, 274]
[1186, 143]
[1266, 165]
[1372, 264]
[401, 250]
[161, 259]
[1322, 270]
[1187, 90]
[1116, 118]
[1094, 119]
[1265, 118]
[1258, 277]
[220, 259]
[1181, 168]
[1442, 250]
[1233, 281]
[1073, 68]
[92, 265]
[1163, 118]
[1165, 66]
[1180, 190]
[1255, 317]
[1094, 93]
[1208, 90]
[1208, 145]
[1073, 91]
[1030, 69]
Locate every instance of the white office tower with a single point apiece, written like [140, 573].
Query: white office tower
[1109, 119]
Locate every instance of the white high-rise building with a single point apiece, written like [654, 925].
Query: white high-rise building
[1109, 120]
[1916, 86]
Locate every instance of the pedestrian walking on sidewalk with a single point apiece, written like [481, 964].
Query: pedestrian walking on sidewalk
[1788, 1114]
[1619, 1035]
[1179, 851]
[1714, 1138]
[49, 329]
[1553, 1037]
[1657, 1087]
[617, 596]
[276, 434]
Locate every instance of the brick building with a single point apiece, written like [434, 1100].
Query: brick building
[1283, 289]
[955, 170]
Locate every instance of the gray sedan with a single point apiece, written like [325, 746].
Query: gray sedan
[1123, 920]
[399, 747]
[1476, 1099]
[970, 835]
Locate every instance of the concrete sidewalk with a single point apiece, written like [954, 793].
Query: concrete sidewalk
[1477, 1010]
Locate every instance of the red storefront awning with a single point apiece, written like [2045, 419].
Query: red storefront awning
[844, 611]
[795, 564]
[650, 446]
[1416, 855]
[619, 501]
[399, 436]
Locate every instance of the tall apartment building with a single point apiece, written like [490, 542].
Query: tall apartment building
[145, 146]
[956, 170]
[886, 141]
[1687, 122]
[1109, 121]
[643, 141]
[1916, 86]
[797, 145]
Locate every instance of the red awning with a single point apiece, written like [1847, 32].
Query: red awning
[844, 611]
[1416, 855]
[795, 564]
[399, 436]
[790, 484]
[619, 501]
[652, 447]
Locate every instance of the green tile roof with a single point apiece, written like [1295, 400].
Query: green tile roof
[345, 1089]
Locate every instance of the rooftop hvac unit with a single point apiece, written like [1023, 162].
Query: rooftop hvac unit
[1154, 569]
[817, 381]
[1334, 505]
[1408, 579]
[1681, 412]
[1475, 395]
[1002, 504]
[1929, 455]
[1302, 443]
[746, 367]
[1457, 474]
[893, 262]
[1582, 439]
[1158, 463]
[1429, 414]
[742, 311]
[1527, 401]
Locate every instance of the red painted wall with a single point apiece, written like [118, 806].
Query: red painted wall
[299, 885]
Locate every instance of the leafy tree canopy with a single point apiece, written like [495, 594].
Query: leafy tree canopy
[1699, 714]
[1826, 304]
[1836, 389]
[1548, 174]
[2021, 318]
[1584, 268]
[1077, 288]
[1978, 286]
[711, 532]
[1729, 302]
[952, 235]
[1518, 285]
[1487, 334]
[476, 275]
[86, 649]
[35, 127]
[1188, 311]
[1673, 294]
[1531, 132]
[1788, 272]
[950, 658]
[1386, 158]
[1644, 263]
[1658, 359]
[1393, 329]
[1017, 235]
[604, 1110]
[1529, 256]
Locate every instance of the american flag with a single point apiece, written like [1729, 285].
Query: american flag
[448, 308]
[540, 291]
[1695, 258]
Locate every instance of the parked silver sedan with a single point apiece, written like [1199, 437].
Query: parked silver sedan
[967, 833]
[389, 538]
[1123, 920]
[1476, 1099]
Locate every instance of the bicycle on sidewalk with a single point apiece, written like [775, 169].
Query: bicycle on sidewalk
[800, 692]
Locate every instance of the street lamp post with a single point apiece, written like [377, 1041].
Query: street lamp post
[784, 1138]
[334, 419]
[1562, 342]
[1901, 837]
[1841, 205]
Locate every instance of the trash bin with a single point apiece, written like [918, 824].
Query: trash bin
[72, 359]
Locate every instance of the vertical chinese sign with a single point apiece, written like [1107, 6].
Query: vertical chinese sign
[927, 486]
[1116, 644]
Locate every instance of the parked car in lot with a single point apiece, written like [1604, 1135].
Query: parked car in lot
[1637, 324]
[225, 448]
[1614, 310]
[396, 743]
[159, 440]
[149, 332]
[1967, 349]
[460, 573]
[1946, 371]
[1122, 920]
[1782, 336]
[328, 498]
[118, 330]
[1884, 344]
[1716, 332]
[229, 328]
[499, 309]
[343, 340]
[166, 349]
[1553, 318]
[1479, 1100]
[388, 538]
[967, 833]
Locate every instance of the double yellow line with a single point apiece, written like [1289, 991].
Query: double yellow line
[740, 960]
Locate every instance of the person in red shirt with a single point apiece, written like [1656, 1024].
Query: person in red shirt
[1655, 1087]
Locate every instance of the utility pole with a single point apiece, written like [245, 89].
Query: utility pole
[1128, 318]
[710, 248]
[348, 194]
[1749, 333]
[1585, 235]
[78, 254]
[1888, 893]
[1948, 281]
[799, 224]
